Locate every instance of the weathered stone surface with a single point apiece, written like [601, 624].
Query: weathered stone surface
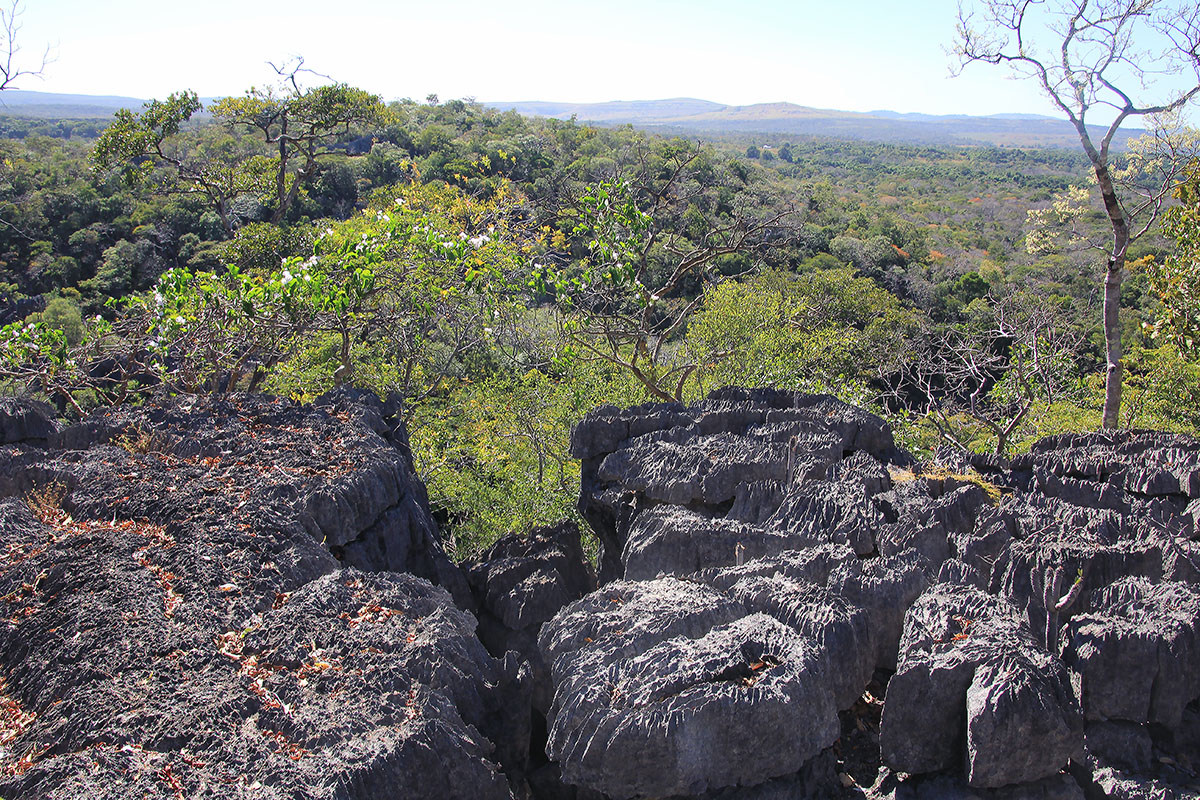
[626, 618]
[1138, 651]
[24, 420]
[669, 540]
[1103, 782]
[1124, 745]
[842, 633]
[691, 714]
[192, 607]
[519, 583]
[740, 454]
[174, 625]
[947, 787]
[885, 587]
[970, 673]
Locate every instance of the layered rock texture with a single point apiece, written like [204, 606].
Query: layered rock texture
[770, 561]
[247, 598]
[194, 604]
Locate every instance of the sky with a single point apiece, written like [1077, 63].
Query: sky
[854, 56]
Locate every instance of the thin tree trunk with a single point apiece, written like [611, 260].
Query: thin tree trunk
[1112, 341]
[1114, 275]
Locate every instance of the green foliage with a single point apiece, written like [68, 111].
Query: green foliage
[150, 149]
[494, 453]
[1176, 281]
[665, 269]
[63, 315]
[263, 247]
[1162, 391]
[131, 141]
[299, 124]
[824, 330]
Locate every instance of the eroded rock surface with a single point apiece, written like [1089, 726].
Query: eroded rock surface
[246, 598]
[182, 615]
[800, 509]
[519, 583]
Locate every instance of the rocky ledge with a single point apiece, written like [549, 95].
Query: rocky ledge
[247, 598]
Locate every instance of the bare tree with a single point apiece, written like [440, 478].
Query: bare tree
[1096, 55]
[994, 370]
[11, 68]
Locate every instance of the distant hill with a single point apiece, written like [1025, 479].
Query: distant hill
[774, 119]
[688, 114]
[70, 106]
[49, 105]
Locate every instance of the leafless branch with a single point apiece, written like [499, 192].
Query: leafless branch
[11, 68]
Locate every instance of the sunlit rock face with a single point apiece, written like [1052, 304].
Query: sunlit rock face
[983, 593]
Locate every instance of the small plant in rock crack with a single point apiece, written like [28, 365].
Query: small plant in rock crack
[1054, 604]
[140, 441]
[45, 502]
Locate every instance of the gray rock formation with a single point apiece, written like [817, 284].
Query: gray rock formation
[26, 421]
[519, 583]
[1138, 651]
[176, 620]
[973, 688]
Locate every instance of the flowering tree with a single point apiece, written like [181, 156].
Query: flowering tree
[1083, 55]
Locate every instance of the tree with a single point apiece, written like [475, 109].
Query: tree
[11, 69]
[299, 123]
[1083, 55]
[823, 330]
[139, 144]
[1177, 281]
[628, 300]
[982, 378]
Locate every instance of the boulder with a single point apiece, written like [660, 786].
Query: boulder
[692, 714]
[1138, 651]
[972, 690]
[178, 617]
[26, 421]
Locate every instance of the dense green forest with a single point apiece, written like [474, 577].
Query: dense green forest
[503, 275]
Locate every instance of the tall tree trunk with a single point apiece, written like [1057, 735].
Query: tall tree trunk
[1112, 340]
[1114, 275]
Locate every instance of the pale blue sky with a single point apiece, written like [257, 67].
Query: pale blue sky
[856, 56]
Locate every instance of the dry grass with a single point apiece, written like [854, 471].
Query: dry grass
[994, 492]
[140, 441]
[46, 503]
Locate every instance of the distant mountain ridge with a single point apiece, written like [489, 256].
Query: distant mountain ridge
[689, 114]
[24, 103]
[774, 119]
[50, 104]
